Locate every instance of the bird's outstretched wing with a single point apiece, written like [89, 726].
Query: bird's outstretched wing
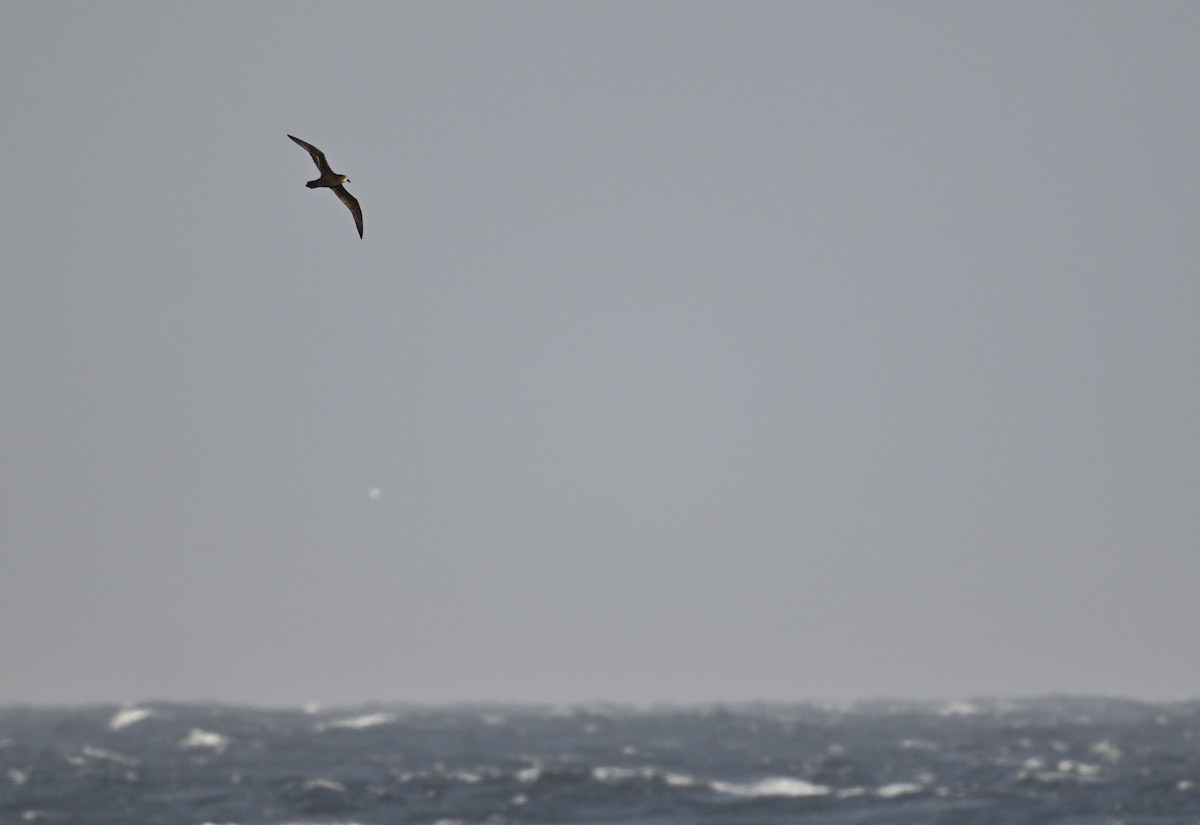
[351, 204]
[317, 155]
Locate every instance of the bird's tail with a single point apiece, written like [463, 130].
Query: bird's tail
[312, 184]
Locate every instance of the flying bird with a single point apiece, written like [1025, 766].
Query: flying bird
[332, 180]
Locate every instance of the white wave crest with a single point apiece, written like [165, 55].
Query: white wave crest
[101, 755]
[369, 720]
[529, 775]
[1081, 769]
[771, 786]
[897, 789]
[614, 775]
[603, 773]
[1107, 750]
[678, 780]
[198, 738]
[1065, 770]
[128, 716]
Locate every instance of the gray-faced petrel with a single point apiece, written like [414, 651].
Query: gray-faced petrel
[332, 180]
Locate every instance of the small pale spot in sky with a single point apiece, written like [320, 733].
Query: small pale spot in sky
[374, 493]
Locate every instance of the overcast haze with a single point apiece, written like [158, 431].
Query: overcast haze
[693, 351]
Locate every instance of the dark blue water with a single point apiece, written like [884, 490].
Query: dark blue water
[1043, 761]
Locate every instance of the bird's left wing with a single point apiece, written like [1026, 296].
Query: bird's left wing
[351, 204]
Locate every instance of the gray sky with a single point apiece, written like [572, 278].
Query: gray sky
[697, 351]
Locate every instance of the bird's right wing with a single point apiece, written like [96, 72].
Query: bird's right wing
[317, 155]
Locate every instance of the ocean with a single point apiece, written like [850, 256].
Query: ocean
[1053, 760]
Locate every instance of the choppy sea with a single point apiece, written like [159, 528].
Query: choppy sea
[1057, 760]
